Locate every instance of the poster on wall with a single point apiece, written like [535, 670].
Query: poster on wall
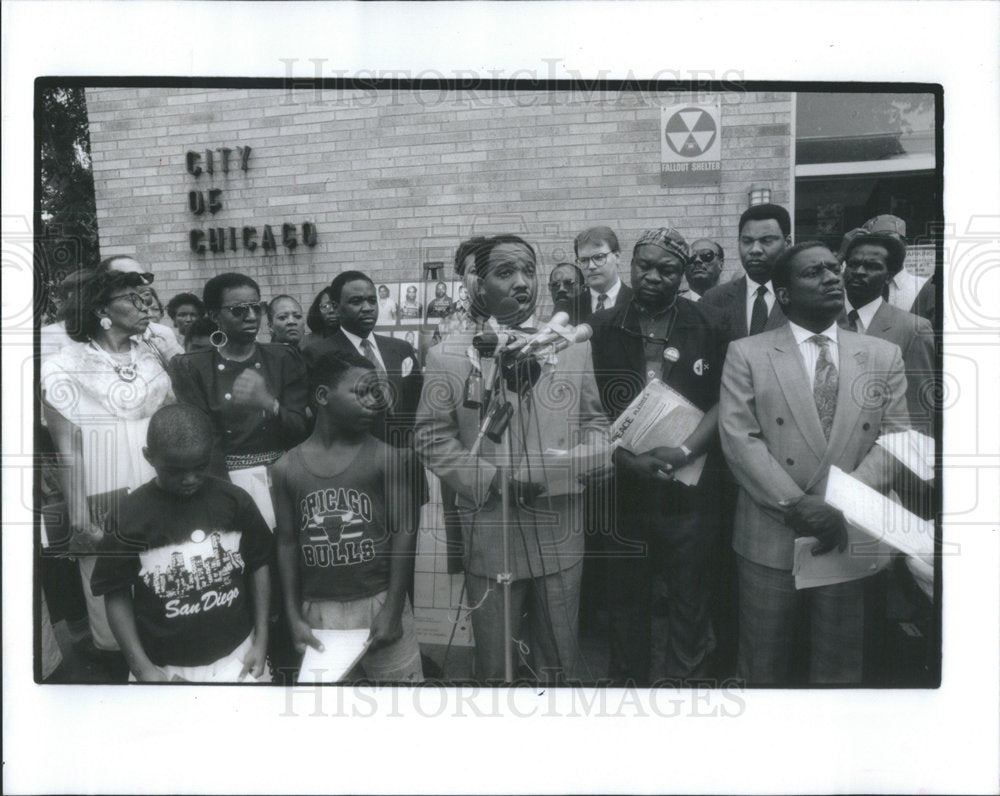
[439, 303]
[411, 303]
[690, 144]
[388, 303]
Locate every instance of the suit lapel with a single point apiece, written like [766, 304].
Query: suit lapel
[881, 320]
[851, 365]
[776, 317]
[738, 307]
[791, 376]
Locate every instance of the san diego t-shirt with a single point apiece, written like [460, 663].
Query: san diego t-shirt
[188, 561]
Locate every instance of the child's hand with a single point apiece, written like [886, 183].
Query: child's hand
[302, 635]
[255, 660]
[387, 627]
[152, 674]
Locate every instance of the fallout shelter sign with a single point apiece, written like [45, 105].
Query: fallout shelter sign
[690, 149]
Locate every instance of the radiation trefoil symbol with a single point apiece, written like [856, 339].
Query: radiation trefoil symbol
[691, 132]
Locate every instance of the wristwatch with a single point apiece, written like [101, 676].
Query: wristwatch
[687, 453]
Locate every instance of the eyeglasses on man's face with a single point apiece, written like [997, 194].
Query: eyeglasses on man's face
[242, 311]
[704, 256]
[598, 259]
[569, 285]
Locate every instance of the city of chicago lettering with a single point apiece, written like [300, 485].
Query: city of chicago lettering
[208, 601]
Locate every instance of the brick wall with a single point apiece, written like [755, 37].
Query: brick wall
[391, 179]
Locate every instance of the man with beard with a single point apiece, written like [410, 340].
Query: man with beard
[664, 530]
[555, 426]
[704, 268]
[748, 302]
[568, 287]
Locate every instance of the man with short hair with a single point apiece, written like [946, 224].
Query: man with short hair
[867, 269]
[789, 410]
[704, 267]
[901, 288]
[661, 336]
[568, 286]
[749, 302]
[355, 300]
[598, 254]
[561, 412]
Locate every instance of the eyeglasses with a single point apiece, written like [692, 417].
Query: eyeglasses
[566, 284]
[326, 306]
[705, 256]
[597, 259]
[140, 302]
[241, 311]
[147, 276]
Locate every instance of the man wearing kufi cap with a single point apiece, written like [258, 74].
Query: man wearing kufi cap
[663, 527]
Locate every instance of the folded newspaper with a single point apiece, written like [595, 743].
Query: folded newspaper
[659, 417]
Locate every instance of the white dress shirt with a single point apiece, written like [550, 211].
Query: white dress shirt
[752, 297]
[612, 296]
[356, 342]
[865, 313]
[903, 289]
[809, 350]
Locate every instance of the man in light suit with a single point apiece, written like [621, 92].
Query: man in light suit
[749, 302]
[562, 412]
[867, 258]
[356, 302]
[794, 402]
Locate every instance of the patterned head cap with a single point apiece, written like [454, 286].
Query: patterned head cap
[670, 240]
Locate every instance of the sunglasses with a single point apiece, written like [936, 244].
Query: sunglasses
[140, 302]
[705, 256]
[241, 311]
[567, 284]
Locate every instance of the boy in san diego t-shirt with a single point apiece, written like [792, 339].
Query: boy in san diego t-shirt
[183, 565]
[346, 529]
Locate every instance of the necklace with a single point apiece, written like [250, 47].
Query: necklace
[125, 372]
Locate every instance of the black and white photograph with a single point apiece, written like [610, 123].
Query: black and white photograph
[665, 428]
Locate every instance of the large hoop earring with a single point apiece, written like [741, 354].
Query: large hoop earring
[218, 339]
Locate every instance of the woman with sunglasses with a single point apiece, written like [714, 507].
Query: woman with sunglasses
[254, 393]
[98, 394]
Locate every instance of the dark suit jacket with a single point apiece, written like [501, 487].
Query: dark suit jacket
[731, 298]
[397, 427]
[915, 339]
[620, 370]
[925, 304]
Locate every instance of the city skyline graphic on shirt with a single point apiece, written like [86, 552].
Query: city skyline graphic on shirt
[176, 571]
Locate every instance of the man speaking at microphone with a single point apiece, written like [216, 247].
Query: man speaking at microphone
[556, 433]
[663, 528]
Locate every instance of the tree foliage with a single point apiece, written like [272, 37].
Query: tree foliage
[68, 237]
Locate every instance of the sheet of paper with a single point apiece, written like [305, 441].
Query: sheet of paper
[862, 558]
[342, 650]
[563, 470]
[878, 517]
[659, 417]
[913, 449]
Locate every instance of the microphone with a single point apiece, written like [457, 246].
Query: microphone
[552, 330]
[570, 336]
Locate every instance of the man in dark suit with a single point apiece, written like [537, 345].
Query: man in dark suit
[664, 529]
[794, 402]
[866, 271]
[598, 254]
[356, 302]
[567, 285]
[704, 267]
[749, 302]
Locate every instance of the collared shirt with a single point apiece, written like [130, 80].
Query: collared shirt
[689, 294]
[356, 342]
[810, 350]
[752, 297]
[903, 289]
[612, 296]
[865, 313]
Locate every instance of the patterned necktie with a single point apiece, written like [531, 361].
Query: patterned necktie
[369, 351]
[600, 301]
[853, 320]
[758, 317]
[825, 384]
